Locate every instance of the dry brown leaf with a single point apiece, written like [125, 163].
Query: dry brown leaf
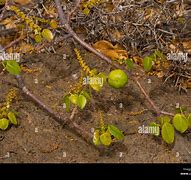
[51, 11]
[149, 13]
[22, 2]
[117, 35]
[113, 52]
[187, 46]
[9, 23]
[25, 48]
[188, 84]
[103, 45]
[138, 60]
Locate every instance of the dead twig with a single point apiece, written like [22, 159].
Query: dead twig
[64, 21]
[62, 121]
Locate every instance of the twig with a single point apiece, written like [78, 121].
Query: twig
[65, 23]
[14, 42]
[3, 11]
[64, 122]
[69, 16]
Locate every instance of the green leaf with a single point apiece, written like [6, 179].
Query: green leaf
[81, 101]
[189, 120]
[86, 11]
[180, 123]
[115, 132]
[181, 109]
[103, 76]
[94, 71]
[168, 133]
[12, 67]
[96, 138]
[129, 63]
[66, 101]
[159, 54]
[147, 63]
[105, 138]
[47, 34]
[4, 123]
[74, 98]
[154, 124]
[96, 87]
[12, 118]
[38, 38]
[163, 119]
[86, 94]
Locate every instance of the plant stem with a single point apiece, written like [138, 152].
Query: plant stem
[65, 22]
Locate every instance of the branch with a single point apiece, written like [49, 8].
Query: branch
[65, 22]
[64, 122]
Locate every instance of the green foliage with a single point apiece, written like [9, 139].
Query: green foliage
[129, 63]
[12, 67]
[81, 101]
[39, 33]
[96, 137]
[147, 63]
[189, 120]
[66, 101]
[12, 118]
[168, 133]
[163, 119]
[148, 60]
[78, 99]
[180, 122]
[115, 132]
[47, 34]
[73, 98]
[7, 117]
[106, 135]
[105, 138]
[153, 124]
[4, 123]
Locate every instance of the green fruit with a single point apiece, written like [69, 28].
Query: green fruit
[117, 79]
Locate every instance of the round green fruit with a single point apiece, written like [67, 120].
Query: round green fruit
[117, 78]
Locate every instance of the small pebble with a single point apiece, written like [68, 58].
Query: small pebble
[120, 154]
[92, 130]
[64, 154]
[7, 155]
[177, 154]
[177, 105]
[149, 81]
[120, 105]
[64, 56]
[64, 106]
[92, 32]
[36, 130]
[75, 76]
[120, 7]
[36, 81]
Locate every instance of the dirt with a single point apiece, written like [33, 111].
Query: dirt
[38, 138]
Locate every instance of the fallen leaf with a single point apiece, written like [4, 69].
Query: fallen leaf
[25, 48]
[113, 52]
[9, 23]
[187, 46]
[22, 2]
